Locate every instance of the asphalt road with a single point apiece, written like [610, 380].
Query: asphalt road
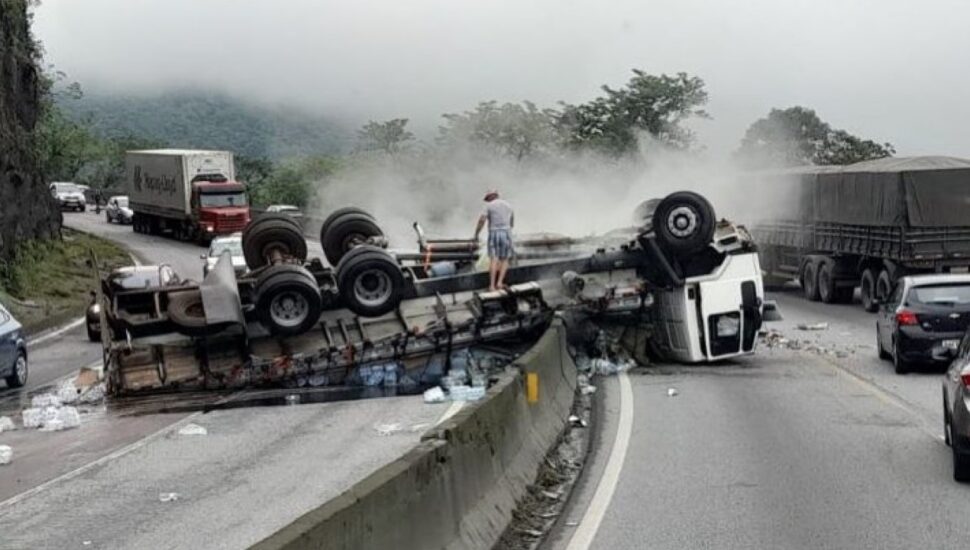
[824, 448]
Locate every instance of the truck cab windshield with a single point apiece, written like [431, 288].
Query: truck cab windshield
[222, 199]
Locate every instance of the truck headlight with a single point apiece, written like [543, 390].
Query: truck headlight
[209, 228]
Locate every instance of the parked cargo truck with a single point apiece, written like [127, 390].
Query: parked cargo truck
[189, 194]
[864, 225]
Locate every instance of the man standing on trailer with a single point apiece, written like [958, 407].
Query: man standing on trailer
[500, 217]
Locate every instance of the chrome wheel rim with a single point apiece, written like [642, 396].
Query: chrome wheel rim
[289, 309]
[21, 369]
[373, 287]
[682, 222]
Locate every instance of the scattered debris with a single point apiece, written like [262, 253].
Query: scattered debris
[420, 427]
[388, 429]
[292, 399]
[6, 424]
[193, 429]
[87, 543]
[44, 400]
[672, 392]
[572, 523]
[813, 326]
[50, 418]
[168, 497]
[577, 421]
[92, 395]
[6, 454]
[65, 418]
[87, 377]
[434, 395]
[67, 392]
[466, 393]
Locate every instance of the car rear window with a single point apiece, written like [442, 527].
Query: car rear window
[943, 295]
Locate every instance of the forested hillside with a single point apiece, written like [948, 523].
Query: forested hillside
[196, 119]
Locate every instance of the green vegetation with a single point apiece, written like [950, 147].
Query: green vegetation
[797, 136]
[287, 182]
[47, 282]
[207, 120]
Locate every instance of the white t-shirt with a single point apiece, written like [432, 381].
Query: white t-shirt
[499, 214]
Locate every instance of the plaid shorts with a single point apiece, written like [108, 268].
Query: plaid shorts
[500, 244]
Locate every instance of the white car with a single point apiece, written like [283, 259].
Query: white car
[69, 196]
[232, 243]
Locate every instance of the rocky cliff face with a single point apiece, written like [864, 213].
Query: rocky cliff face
[27, 210]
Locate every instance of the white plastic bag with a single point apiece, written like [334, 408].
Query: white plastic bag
[193, 429]
[6, 454]
[6, 424]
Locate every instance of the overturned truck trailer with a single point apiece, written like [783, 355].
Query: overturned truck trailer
[692, 282]
[866, 225]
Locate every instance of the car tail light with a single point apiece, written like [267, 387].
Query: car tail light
[906, 318]
[965, 377]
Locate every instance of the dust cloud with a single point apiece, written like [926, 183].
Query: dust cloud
[571, 193]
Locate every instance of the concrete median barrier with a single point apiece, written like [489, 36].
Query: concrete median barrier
[458, 488]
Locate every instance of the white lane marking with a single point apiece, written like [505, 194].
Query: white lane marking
[109, 457]
[452, 411]
[587, 528]
[104, 459]
[50, 335]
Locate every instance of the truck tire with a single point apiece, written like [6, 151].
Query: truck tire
[340, 212]
[884, 285]
[288, 299]
[346, 232]
[867, 290]
[809, 280]
[186, 312]
[269, 236]
[683, 223]
[826, 282]
[370, 281]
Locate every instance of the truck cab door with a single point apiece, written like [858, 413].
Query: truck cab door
[722, 319]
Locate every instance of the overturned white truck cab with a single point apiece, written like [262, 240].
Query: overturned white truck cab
[693, 283]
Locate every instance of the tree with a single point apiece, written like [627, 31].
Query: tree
[290, 182]
[797, 136]
[512, 129]
[388, 137]
[655, 105]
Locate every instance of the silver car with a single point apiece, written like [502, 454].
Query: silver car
[232, 243]
[956, 409]
[69, 196]
[13, 351]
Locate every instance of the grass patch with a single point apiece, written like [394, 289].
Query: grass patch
[48, 282]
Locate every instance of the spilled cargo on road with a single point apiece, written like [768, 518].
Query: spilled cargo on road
[692, 285]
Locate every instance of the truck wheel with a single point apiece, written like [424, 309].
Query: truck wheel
[884, 286]
[867, 290]
[826, 283]
[288, 299]
[269, 237]
[810, 280]
[186, 311]
[370, 281]
[347, 232]
[683, 223]
[340, 212]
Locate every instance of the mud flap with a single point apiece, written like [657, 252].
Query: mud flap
[220, 294]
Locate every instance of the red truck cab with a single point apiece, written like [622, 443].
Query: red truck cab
[220, 207]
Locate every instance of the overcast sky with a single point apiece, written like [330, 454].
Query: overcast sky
[890, 70]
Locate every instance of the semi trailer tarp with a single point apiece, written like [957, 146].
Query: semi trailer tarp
[909, 191]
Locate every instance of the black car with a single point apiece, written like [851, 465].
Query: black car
[923, 321]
